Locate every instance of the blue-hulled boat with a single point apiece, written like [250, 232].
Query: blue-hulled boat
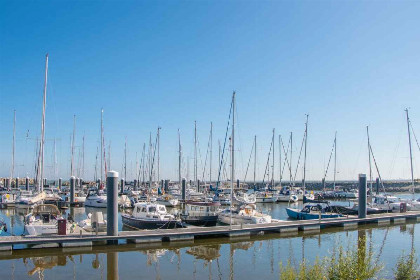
[311, 211]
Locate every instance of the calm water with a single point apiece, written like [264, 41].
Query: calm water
[258, 257]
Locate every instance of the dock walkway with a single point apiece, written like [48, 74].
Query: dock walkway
[189, 234]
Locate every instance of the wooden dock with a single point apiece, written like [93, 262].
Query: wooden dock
[7, 243]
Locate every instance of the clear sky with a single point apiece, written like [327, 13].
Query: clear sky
[347, 64]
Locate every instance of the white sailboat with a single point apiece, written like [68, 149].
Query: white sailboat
[245, 213]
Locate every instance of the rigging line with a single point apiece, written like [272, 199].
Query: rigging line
[249, 161]
[207, 153]
[286, 160]
[329, 160]
[300, 153]
[377, 169]
[224, 146]
[415, 137]
[267, 172]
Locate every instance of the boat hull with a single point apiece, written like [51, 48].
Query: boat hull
[298, 215]
[207, 221]
[149, 224]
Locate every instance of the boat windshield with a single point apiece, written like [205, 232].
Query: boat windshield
[152, 209]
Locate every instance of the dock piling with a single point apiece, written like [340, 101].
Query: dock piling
[362, 196]
[72, 188]
[122, 184]
[60, 183]
[112, 205]
[183, 190]
[27, 183]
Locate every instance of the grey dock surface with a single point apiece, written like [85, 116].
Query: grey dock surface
[190, 233]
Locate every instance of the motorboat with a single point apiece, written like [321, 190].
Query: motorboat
[93, 199]
[200, 213]
[243, 214]
[387, 202]
[147, 215]
[312, 211]
[43, 220]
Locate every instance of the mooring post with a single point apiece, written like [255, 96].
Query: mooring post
[237, 184]
[183, 190]
[166, 186]
[60, 183]
[112, 205]
[17, 182]
[27, 183]
[72, 188]
[8, 184]
[112, 265]
[135, 184]
[377, 185]
[362, 195]
[122, 182]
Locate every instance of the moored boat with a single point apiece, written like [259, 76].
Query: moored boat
[148, 215]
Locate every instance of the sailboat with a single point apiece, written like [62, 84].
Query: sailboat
[413, 205]
[245, 213]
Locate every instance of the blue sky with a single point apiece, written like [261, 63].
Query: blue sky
[347, 64]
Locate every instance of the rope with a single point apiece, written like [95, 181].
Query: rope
[224, 146]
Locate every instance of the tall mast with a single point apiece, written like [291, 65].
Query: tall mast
[232, 176]
[72, 147]
[55, 160]
[150, 163]
[411, 155]
[304, 160]
[158, 152]
[102, 144]
[291, 153]
[41, 146]
[12, 169]
[125, 159]
[211, 147]
[370, 161]
[109, 155]
[280, 175]
[335, 157]
[179, 157]
[195, 154]
[143, 160]
[272, 169]
[96, 164]
[255, 159]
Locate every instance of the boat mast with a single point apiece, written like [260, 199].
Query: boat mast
[41, 149]
[72, 147]
[179, 157]
[255, 160]
[370, 161]
[272, 169]
[280, 175]
[411, 155]
[102, 145]
[291, 153]
[304, 159]
[125, 159]
[195, 154]
[12, 168]
[232, 178]
[335, 157]
[158, 152]
[211, 146]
